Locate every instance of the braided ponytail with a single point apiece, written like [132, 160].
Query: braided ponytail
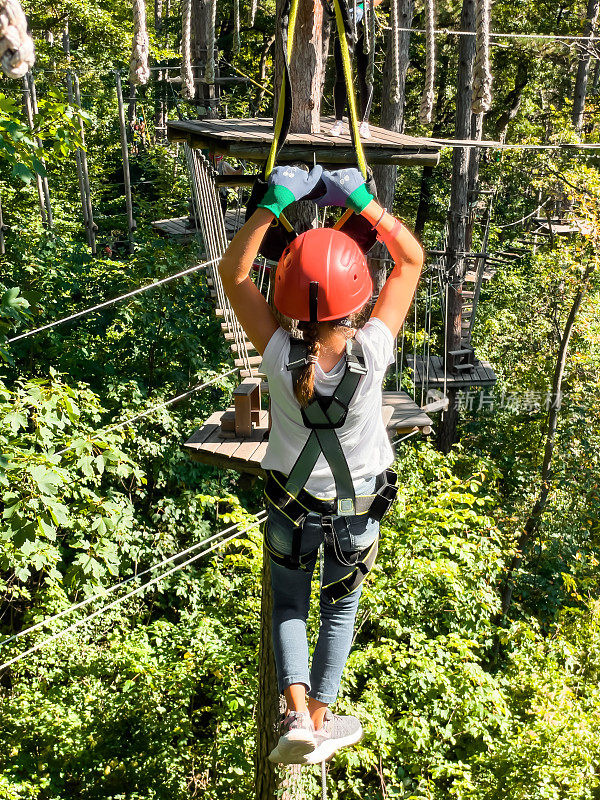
[305, 385]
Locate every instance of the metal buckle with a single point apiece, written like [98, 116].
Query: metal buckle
[345, 507]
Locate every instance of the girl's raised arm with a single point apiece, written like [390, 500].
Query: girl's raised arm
[286, 184]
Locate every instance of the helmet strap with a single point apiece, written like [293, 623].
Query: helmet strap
[313, 300]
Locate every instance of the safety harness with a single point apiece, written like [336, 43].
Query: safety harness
[323, 416]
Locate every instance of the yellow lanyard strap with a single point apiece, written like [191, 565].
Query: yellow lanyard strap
[281, 105]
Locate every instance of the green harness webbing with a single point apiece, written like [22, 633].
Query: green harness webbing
[323, 415]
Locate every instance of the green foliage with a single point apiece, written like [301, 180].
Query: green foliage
[55, 134]
[155, 699]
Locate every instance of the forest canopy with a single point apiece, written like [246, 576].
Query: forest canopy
[476, 661]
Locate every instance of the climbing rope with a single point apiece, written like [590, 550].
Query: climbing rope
[17, 53]
[188, 89]
[111, 302]
[139, 70]
[126, 596]
[428, 96]
[395, 34]
[253, 8]
[371, 33]
[236, 26]
[209, 72]
[482, 74]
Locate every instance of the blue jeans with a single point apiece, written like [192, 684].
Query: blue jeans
[291, 599]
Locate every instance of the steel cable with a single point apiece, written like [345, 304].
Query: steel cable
[126, 596]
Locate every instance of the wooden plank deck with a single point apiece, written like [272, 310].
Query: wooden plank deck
[482, 373]
[207, 445]
[250, 139]
[179, 227]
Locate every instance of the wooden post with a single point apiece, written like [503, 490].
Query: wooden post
[131, 226]
[45, 187]
[2, 245]
[306, 68]
[455, 262]
[38, 178]
[306, 72]
[85, 174]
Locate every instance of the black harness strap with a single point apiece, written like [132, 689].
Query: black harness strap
[323, 416]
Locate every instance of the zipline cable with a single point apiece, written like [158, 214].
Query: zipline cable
[105, 592]
[104, 431]
[116, 602]
[108, 303]
[496, 35]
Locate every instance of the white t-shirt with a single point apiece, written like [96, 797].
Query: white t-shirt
[363, 436]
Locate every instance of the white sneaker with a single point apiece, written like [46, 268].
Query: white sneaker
[336, 128]
[364, 130]
[337, 731]
[296, 739]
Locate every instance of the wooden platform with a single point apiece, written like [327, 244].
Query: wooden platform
[250, 139]
[181, 228]
[400, 413]
[482, 374]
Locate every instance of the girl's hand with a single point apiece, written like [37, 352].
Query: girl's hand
[345, 188]
[287, 185]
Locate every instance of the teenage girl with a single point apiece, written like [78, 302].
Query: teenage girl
[310, 733]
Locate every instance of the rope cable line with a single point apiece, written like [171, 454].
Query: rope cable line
[497, 35]
[124, 597]
[108, 303]
[111, 589]
[428, 96]
[149, 411]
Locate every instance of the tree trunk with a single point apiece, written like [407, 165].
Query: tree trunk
[306, 72]
[512, 103]
[583, 67]
[473, 175]
[262, 72]
[457, 229]
[392, 111]
[267, 708]
[546, 473]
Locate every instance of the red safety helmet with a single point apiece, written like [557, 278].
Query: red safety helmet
[322, 275]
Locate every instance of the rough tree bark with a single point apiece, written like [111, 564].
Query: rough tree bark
[307, 67]
[457, 229]
[392, 111]
[583, 67]
[265, 783]
[533, 520]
